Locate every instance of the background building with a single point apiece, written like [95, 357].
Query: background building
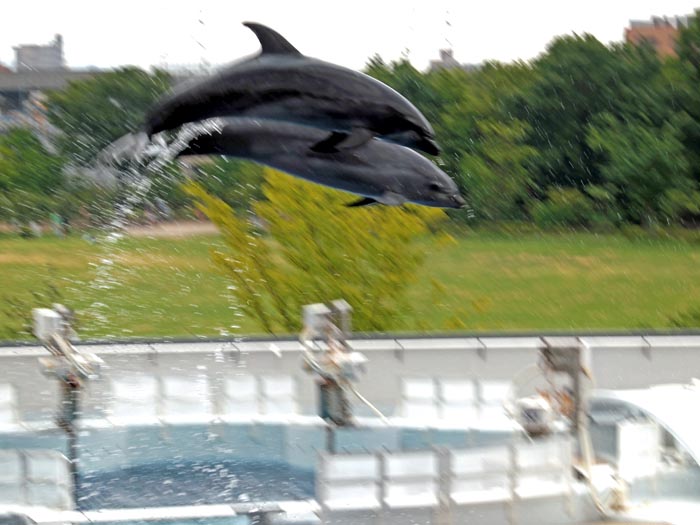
[448, 61]
[660, 32]
[34, 57]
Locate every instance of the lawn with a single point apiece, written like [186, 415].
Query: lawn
[157, 287]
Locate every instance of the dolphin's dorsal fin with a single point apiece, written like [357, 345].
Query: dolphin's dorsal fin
[271, 41]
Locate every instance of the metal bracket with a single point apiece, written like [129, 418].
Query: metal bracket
[152, 355]
[399, 351]
[482, 350]
[646, 350]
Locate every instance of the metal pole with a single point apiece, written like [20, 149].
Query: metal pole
[70, 401]
[73, 458]
[330, 438]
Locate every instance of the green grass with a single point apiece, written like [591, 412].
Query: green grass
[561, 282]
[531, 282]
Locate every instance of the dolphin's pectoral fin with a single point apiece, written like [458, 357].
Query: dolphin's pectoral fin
[365, 201]
[341, 140]
[328, 145]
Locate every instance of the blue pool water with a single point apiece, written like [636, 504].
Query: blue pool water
[194, 483]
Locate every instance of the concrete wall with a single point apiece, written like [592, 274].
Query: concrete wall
[618, 362]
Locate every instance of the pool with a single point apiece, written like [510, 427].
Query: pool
[151, 464]
[194, 483]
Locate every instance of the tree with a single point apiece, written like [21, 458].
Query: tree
[237, 183]
[647, 168]
[94, 112]
[483, 143]
[576, 80]
[31, 178]
[483, 146]
[495, 176]
[564, 207]
[411, 83]
[314, 249]
[687, 80]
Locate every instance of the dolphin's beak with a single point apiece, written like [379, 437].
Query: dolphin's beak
[430, 146]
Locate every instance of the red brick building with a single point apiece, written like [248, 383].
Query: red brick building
[660, 32]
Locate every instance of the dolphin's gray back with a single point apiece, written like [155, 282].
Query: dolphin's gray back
[293, 88]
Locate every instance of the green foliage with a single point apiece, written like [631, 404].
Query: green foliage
[687, 79]
[615, 123]
[564, 207]
[318, 250]
[411, 83]
[576, 81]
[237, 183]
[483, 145]
[572, 84]
[93, 113]
[496, 180]
[647, 168]
[31, 178]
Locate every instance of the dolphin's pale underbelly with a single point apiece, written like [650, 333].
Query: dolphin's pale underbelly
[328, 173]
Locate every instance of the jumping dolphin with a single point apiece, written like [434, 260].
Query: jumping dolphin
[282, 84]
[379, 171]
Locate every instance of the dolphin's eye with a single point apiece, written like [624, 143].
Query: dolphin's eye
[434, 186]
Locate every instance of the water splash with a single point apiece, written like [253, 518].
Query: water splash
[135, 161]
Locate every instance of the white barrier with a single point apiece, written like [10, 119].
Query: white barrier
[35, 477]
[543, 468]
[492, 476]
[241, 396]
[645, 360]
[638, 450]
[492, 396]
[8, 405]
[349, 482]
[185, 396]
[279, 395]
[419, 398]
[464, 400]
[458, 399]
[410, 479]
[135, 396]
[480, 475]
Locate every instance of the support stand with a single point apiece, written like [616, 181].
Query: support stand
[66, 420]
[71, 368]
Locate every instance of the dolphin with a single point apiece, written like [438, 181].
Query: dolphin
[282, 84]
[379, 171]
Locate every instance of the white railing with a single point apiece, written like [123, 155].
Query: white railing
[444, 379]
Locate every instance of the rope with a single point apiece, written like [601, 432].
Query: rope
[366, 402]
[344, 385]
